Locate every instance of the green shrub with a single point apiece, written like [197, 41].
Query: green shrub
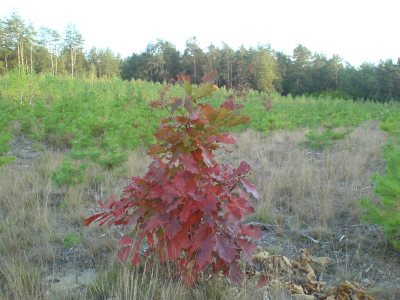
[5, 138]
[391, 122]
[6, 160]
[69, 173]
[72, 239]
[387, 187]
[320, 140]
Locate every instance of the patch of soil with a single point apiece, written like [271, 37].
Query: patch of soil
[24, 150]
[68, 280]
[360, 254]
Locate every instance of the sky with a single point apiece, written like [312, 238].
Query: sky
[357, 30]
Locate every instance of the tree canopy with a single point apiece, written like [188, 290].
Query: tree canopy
[262, 68]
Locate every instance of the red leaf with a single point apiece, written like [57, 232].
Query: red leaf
[163, 132]
[153, 222]
[247, 248]
[181, 120]
[235, 274]
[235, 210]
[204, 255]
[226, 138]
[123, 253]
[203, 239]
[207, 156]
[165, 120]
[185, 212]
[263, 280]
[188, 104]
[156, 149]
[243, 203]
[172, 228]
[150, 240]
[183, 182]
[236, 120]
[210, 77]
[168, 193]
[156, 192]
[135, 258]
[209, 112]
[199, 235]
[91, 219]
[189, 163]
[194, 116]
[210, 203]
[175, 105]
[109, 204]
[125, 241]
[250, 188]
[197, 155]
[182, 238]
[176, 202]
[225, 248]
[228, 104]
[173, 250]
[194, 218]
[243, 169]
[250, 231]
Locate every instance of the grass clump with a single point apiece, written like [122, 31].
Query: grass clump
[320, 140]
[69, 173]
[20, 280]
[5, 138]
[72, 239]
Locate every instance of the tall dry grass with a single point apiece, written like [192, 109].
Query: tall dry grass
[298, 187]
[305, 187]
[36, 217]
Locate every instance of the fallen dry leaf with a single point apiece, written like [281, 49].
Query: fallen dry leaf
[323, 261]
[281, 265]
[296, 289]
[349, 291]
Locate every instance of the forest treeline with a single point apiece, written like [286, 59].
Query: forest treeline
[45, 50]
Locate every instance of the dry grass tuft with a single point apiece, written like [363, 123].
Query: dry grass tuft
[159, 282]
[19, 279]
[305, 187]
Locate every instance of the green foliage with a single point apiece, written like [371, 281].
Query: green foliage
[387, 187]
[265, 70]
[307, 112]
[320, 140]
[111, 158]
[5, 138]
[20, 87]
[332, 94]
[6, 160]
[103, 120]
[391, 121]
[69, 173]
[72, 239]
